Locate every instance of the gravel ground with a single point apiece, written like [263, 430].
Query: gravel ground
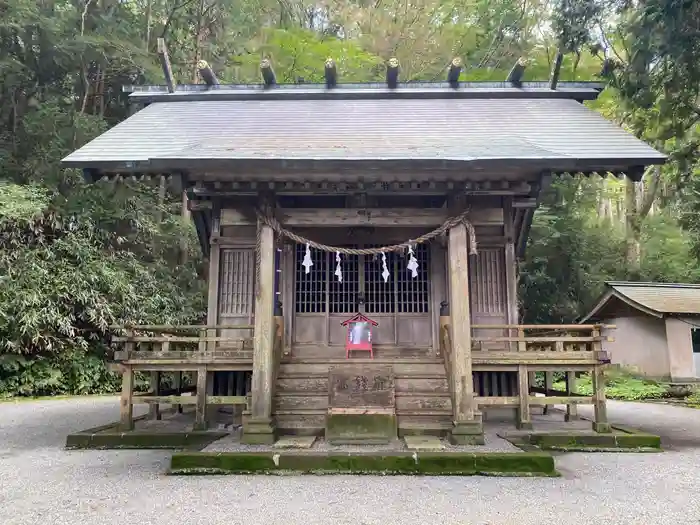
[40, 483]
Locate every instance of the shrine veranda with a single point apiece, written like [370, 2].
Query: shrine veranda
[409, 205]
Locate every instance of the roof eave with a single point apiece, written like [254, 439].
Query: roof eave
[632, 167]
[614, 294]
[580, 91]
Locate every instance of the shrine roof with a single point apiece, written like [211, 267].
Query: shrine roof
[414, 126]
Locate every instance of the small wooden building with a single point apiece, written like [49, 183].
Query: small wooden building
[657, 328]
[410, 203]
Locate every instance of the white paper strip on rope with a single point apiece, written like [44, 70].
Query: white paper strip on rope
[307, 263]
[385, 269]
[338, 268]
[412, 265]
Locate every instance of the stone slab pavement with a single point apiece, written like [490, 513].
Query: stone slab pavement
[40, 483]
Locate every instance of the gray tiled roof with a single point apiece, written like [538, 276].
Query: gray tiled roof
[560, 132]
[653, 298]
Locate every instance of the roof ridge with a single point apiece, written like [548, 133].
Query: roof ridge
[648, 284]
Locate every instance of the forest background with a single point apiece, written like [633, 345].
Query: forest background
[75, 258]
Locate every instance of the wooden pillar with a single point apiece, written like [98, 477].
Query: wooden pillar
[571, 409]
[259, 428]
[511, 268]
[126, 407]
[467, 423]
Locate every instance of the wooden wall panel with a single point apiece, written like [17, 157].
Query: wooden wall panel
[488, 290]
[236, 289]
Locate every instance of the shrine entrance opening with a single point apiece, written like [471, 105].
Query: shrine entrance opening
[401, 305]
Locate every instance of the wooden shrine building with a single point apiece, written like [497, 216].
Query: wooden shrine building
[407, 203]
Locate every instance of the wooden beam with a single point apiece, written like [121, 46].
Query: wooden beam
[560, 359]
[520, 203]
[556, 70]
[496, 401]
[392, 73]
[564, 400]
[515, 77]
[378, 217]
[166, 400]
[165, 64]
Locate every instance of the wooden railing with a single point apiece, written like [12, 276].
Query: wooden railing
[153, 344]
[163, 348]
[567, 348]
[543, 343]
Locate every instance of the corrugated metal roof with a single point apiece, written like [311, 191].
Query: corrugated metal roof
[561, 132]
[653, 298]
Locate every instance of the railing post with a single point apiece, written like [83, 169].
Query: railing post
[154, 408]
[200, 416]
[600, 423]
[126, 407]
[524, 417]
[571, 409]
[548, 387]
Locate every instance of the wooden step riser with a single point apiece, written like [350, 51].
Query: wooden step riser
[338, 352]
[319, 385]
[400, 368]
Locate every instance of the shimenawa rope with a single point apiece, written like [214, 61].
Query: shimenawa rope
[269, 220]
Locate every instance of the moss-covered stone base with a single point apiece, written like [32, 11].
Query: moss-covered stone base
[400, 463]
[622, 439]
[109, 437]
[258, 432]
[467, 433]
[368, 429]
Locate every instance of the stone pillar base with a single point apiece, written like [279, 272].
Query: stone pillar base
[468, 432]
[258, 432]
[523, 425]
[602, 428]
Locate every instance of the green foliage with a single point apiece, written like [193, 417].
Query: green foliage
[64, 281]
[300, 54]
[620, 384]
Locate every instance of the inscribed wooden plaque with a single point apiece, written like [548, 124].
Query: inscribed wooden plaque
[357, 387]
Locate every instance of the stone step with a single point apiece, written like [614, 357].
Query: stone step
[313, 422]
[404, 401]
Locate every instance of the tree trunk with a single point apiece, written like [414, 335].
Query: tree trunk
[636, 210]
